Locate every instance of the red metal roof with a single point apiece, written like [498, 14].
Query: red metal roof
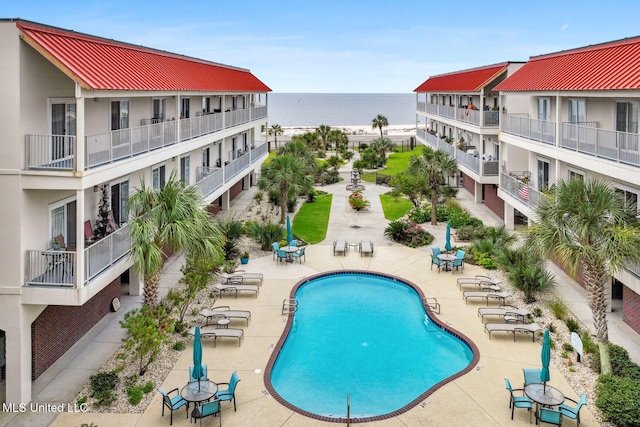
[103, 64]
[608, 66]
[463, 81]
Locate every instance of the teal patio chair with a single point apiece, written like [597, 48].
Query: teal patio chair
[518, 401]
[202, 377]
[437, 261]
[293, 243]
[230, 392]
[282, 256]
[570, 411]
[276, 248]
[300, 254]
[173, 403]
[458, 263]
[435, 250]
[550, 416]
[531, 376]
[207, 410]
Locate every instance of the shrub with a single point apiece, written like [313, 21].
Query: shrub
[621, 364]
[265, 234]
[179, 345]
[572, 324]
[420, 215]
[357, 201]
[102, 385]
[567, 347]
[484, 260]
[408, 233]
[588, 346]
[537, 312]
[259, 196]
[558, 308]
[618, 400]
[291, 204]
[148, 387]
[135, 395]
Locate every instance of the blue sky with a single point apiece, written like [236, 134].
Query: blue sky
[344, 46]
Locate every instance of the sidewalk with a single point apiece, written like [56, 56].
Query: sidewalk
[64, 380]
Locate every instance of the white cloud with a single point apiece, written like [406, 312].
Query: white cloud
[564, 27]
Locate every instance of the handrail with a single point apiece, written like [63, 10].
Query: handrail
[289, 306]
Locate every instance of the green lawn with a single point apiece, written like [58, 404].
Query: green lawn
[311, 222]
[396, 163]
[394, 208]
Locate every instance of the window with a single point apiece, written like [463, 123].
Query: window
[245, 142]
[184, 108]
[158, 177]
[184, 169]
[543, 174]
[63, 221]
[629, 196]
[576, 113]
[575, 174]
[206, 157]
[544, 109]
[627, 117]
[119, 115]
[159, 110]
[119, 198]
[206, 105]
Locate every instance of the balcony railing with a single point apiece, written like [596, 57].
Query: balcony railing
[520, 190]
[537, 130]
[490, 118]
[106, 252]
[210, 180]
[57, 151]
[620, 147]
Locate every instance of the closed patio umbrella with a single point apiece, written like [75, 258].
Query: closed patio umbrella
[447, 244]
[289, 235]
[197, 355]
[546, 359]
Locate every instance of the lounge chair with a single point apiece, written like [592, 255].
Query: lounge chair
[573, 412]
[531, 328]
[215, 333]
[518, 401]
[482, 282]
[366, 247]
[501, 296]
[256, 277]
[235, 286]
[224, 311]
[340, 246]
[510, 313]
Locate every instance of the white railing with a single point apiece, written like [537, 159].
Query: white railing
[258, 152]
[520, 190]
[50, 268]
[106, 252]
[537, 130]
[620, 147]
[57, 151]
[211, 180]
[236, 166]
[50, 151]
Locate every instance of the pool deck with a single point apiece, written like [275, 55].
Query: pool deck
[477, 398]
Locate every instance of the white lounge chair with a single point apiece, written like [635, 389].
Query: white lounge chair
[257, 277]
[340, 246]
[482, 282]
[501, 296]
[236, 287]
[224, 312]
[530, 328]
[509, 313]
[215, 333]
[366, 247]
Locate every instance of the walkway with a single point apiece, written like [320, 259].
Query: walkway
[481, 393]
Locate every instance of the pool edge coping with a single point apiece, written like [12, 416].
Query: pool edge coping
[407, 407]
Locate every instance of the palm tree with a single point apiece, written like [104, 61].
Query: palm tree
[434, 166]
[323, 132]
[338, 138]
[287, 175]
[171, 219]
[276, 130]
[379, 122]
[587, 227]
[382, 146]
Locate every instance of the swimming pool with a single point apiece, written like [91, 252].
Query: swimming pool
[367, 335]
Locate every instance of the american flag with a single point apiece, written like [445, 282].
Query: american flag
[524, 192]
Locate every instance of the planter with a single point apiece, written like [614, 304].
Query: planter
[244, 260]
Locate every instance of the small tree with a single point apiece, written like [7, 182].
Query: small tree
[148, 329]
[412, 186]
[275, 130]
[379, 122]
[526, 272]
[103, 227]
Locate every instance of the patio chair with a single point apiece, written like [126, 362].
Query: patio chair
[366, 247]
[228, 393]
[531, 376]
[215, 333]
[293, 243]
[257, 277]
[300, 254]
[436, 261]
[508, 312]
[236, 286]
[208, 409]
[570, 411]
[549, 416]
[518, 401]
[224, 311]
[202, 377]
[282, 256]
[501, 296]
[276, 248]
[173, 403]
[339, 246]
[435, 250]
[531, 328]
[458, 263]
[479, 280]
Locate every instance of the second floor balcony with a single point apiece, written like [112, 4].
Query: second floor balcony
[57, 152]
[462, 114]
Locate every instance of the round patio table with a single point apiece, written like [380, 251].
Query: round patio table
[290, 250]
[199, 391]
[448, 259]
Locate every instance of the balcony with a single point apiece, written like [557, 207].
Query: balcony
[520, 189]
[536, 130]
[461, 114]
[479, 166]
[57, 268]
[56, 152]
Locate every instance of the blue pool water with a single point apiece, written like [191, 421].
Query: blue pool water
[367, 336]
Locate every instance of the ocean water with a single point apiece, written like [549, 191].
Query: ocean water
[340, 109]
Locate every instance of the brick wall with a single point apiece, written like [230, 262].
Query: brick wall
[60, 327]
[492, 201]
[631, 308]
[235, 190]
[469, 184]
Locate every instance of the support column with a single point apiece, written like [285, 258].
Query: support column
[477, 196]
[225, 201]
[509, 216]
[80, 154]
[80, 253]
[136, 282]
